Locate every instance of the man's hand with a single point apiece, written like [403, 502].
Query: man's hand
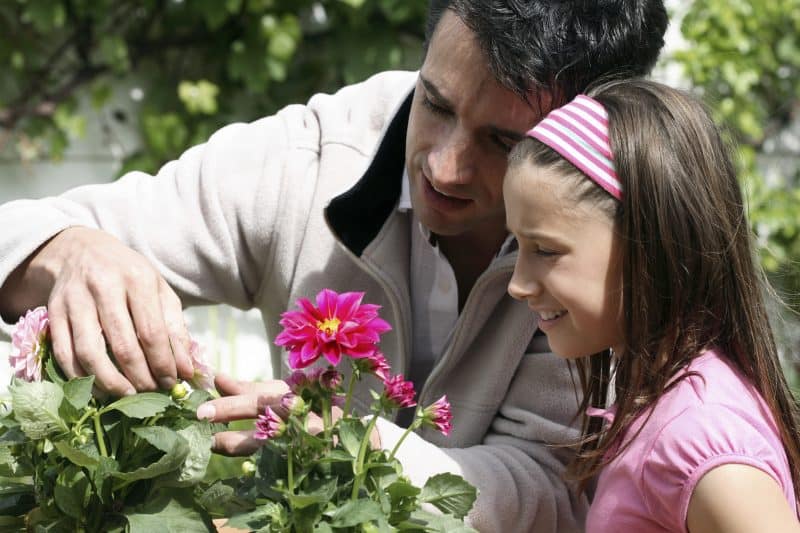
[100, 291]
[244, 400]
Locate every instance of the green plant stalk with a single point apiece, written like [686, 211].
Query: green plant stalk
[98, 434]
[290, 469]
[326, 418]
[350, 388]
[414, 425]
[362, 452]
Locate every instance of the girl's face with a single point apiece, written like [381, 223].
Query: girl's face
[568, 269]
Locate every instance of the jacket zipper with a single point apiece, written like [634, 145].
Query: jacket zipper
[446, 361]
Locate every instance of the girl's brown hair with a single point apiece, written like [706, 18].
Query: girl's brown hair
[690, 277]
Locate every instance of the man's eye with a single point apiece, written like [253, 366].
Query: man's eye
[433, 108]
[544, 252]
[504, 143]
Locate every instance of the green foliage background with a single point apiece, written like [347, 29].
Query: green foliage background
[205, 63]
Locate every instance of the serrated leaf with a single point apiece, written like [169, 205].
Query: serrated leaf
[358, 512]
[142, 405]
[321, 494]
[351, 433]
[78, 391]
[71, 491]
[165, 513]
[164, 439]
[76, 456]
[450, 494]
[266, 513]
[36, 408]
[199, 439]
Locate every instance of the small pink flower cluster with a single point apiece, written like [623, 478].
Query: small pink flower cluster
[203, 377]
[399, 391]
[439, 415]
[269, 425]
[29, 344]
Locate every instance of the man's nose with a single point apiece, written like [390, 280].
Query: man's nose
[452, 160]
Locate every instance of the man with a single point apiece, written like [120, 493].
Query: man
[392, 187]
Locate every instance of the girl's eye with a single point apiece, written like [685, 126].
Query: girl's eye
[433, 108]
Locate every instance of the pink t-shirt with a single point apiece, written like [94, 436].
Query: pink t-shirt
[714, 418]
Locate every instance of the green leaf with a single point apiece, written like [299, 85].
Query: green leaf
[266, 513]
[141, 405]
[16, 499]
[36, 408]
[355, 513]
[450, 494]
[351, 433]
[72, 491]
[165, 513]
[78, 391]
[322, 493]
[164, 439]
[193, 470]
[76, 456]
[435, 523]
[199, 97]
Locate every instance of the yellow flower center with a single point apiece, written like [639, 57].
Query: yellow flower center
[329, 325]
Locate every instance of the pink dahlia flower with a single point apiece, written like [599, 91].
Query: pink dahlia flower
[438, 415]
[377, 364]
[338, 325]
[399, 391]
[29, 344]
[269, 425]
[203, 377]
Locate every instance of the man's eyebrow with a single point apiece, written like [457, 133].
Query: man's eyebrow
[434, 91]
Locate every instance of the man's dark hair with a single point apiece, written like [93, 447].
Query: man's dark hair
[560, 45]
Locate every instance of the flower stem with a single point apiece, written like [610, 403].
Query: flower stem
[350, 386]
[362, 453]
[411, 427]
[290, 473]
[98, 433]
[326, 418]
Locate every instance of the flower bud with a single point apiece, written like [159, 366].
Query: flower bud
[293, 404]
[178, 391]
[248, 468]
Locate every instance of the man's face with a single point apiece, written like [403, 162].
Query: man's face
[461, 128]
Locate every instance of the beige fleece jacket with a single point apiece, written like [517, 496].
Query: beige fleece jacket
[255, 217]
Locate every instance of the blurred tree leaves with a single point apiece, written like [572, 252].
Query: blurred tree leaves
[745, 57]
[200, 63]
[204, 63]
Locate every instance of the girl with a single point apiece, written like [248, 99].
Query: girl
[634, 249]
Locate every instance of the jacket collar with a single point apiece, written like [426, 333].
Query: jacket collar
[357, 215]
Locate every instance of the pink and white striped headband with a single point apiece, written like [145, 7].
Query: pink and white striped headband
[579, 132]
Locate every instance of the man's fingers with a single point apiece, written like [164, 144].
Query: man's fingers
[121, 337]
[227, 386]
[235, 443]
[148, 318]
[90, 352]
[61, 340]
[243, 401]
[176, 329]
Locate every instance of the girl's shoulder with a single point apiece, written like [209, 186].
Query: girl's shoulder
[710, 417]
